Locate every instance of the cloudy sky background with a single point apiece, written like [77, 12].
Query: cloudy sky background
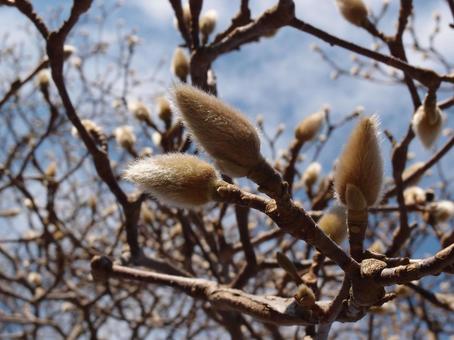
[281, 78]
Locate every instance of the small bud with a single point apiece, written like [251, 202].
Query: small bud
[186, 17]
[354, 11]
[163, 109]
[69, 50]
[43, 78]
[140, 111]
[414, 195]
[180, 64]
[305, 296]
[310, 126]
[334, 223]
[95, 132]
[34, 279]
[224, 133]
[360, 163]
[178, 180]
[427, 121]
[156, 137]
[310, 176]
[125, 137]
[51, 170]
[441, 211]
[207, 22]
[377, 247]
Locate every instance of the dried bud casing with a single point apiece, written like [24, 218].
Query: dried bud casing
[334, 223]
[360, 163]
[354, 11]
[310, 126]
[178, 180]
[180, 64]
[224, 133]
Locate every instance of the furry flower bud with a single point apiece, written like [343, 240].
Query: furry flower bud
[140, 111]
[354, 11]
[180, 64]
[207, 22]
[310, 126]
[334, 223]
[427, 121]
[360, 163]
[163, 109]
[310, 176]
[125, 137]
[178, 180]
[224, 133]
[414, 195]
[95, 132]
[441, 211]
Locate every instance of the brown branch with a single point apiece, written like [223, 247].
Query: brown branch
[415, 270]
[425, 76]
[270, 309]
[242, 18]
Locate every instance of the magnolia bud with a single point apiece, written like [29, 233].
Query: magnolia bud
[414, 195]
[34, 279]
[68, 50]
[310, 176]
[163, 109]
[428, 121]
[310, 126]
[354, 11]
[180, 64]
[222, 131]
[334, 223]
[140, 111]
[51, 170]
[360, 163]
[441, 211]
[125, 137]
[43, 78]
[178, 180]
[207, 22]
[305, 296]
[95, 132]
[186, 17]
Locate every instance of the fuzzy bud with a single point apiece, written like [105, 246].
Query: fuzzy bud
[125, 137]
[354, 11]
[310, 126]
[140, 111]
[163, 109]
[414, 195]
[377, 247]
[222, 131]
[305, 296]
[207, 22]
[178, 180]
[180, 64]
[94, 131]
[186, 17]
[310, 176]
[428, 121]
[360, 163]
[51, 170]
[43, 79]
[334, 223]
[442, 211]
[34, 279]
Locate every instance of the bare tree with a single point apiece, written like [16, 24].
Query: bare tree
[186, 251]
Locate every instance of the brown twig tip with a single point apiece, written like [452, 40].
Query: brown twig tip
[360, 163]
[101, 267]
[178, 180]
[224, 133]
